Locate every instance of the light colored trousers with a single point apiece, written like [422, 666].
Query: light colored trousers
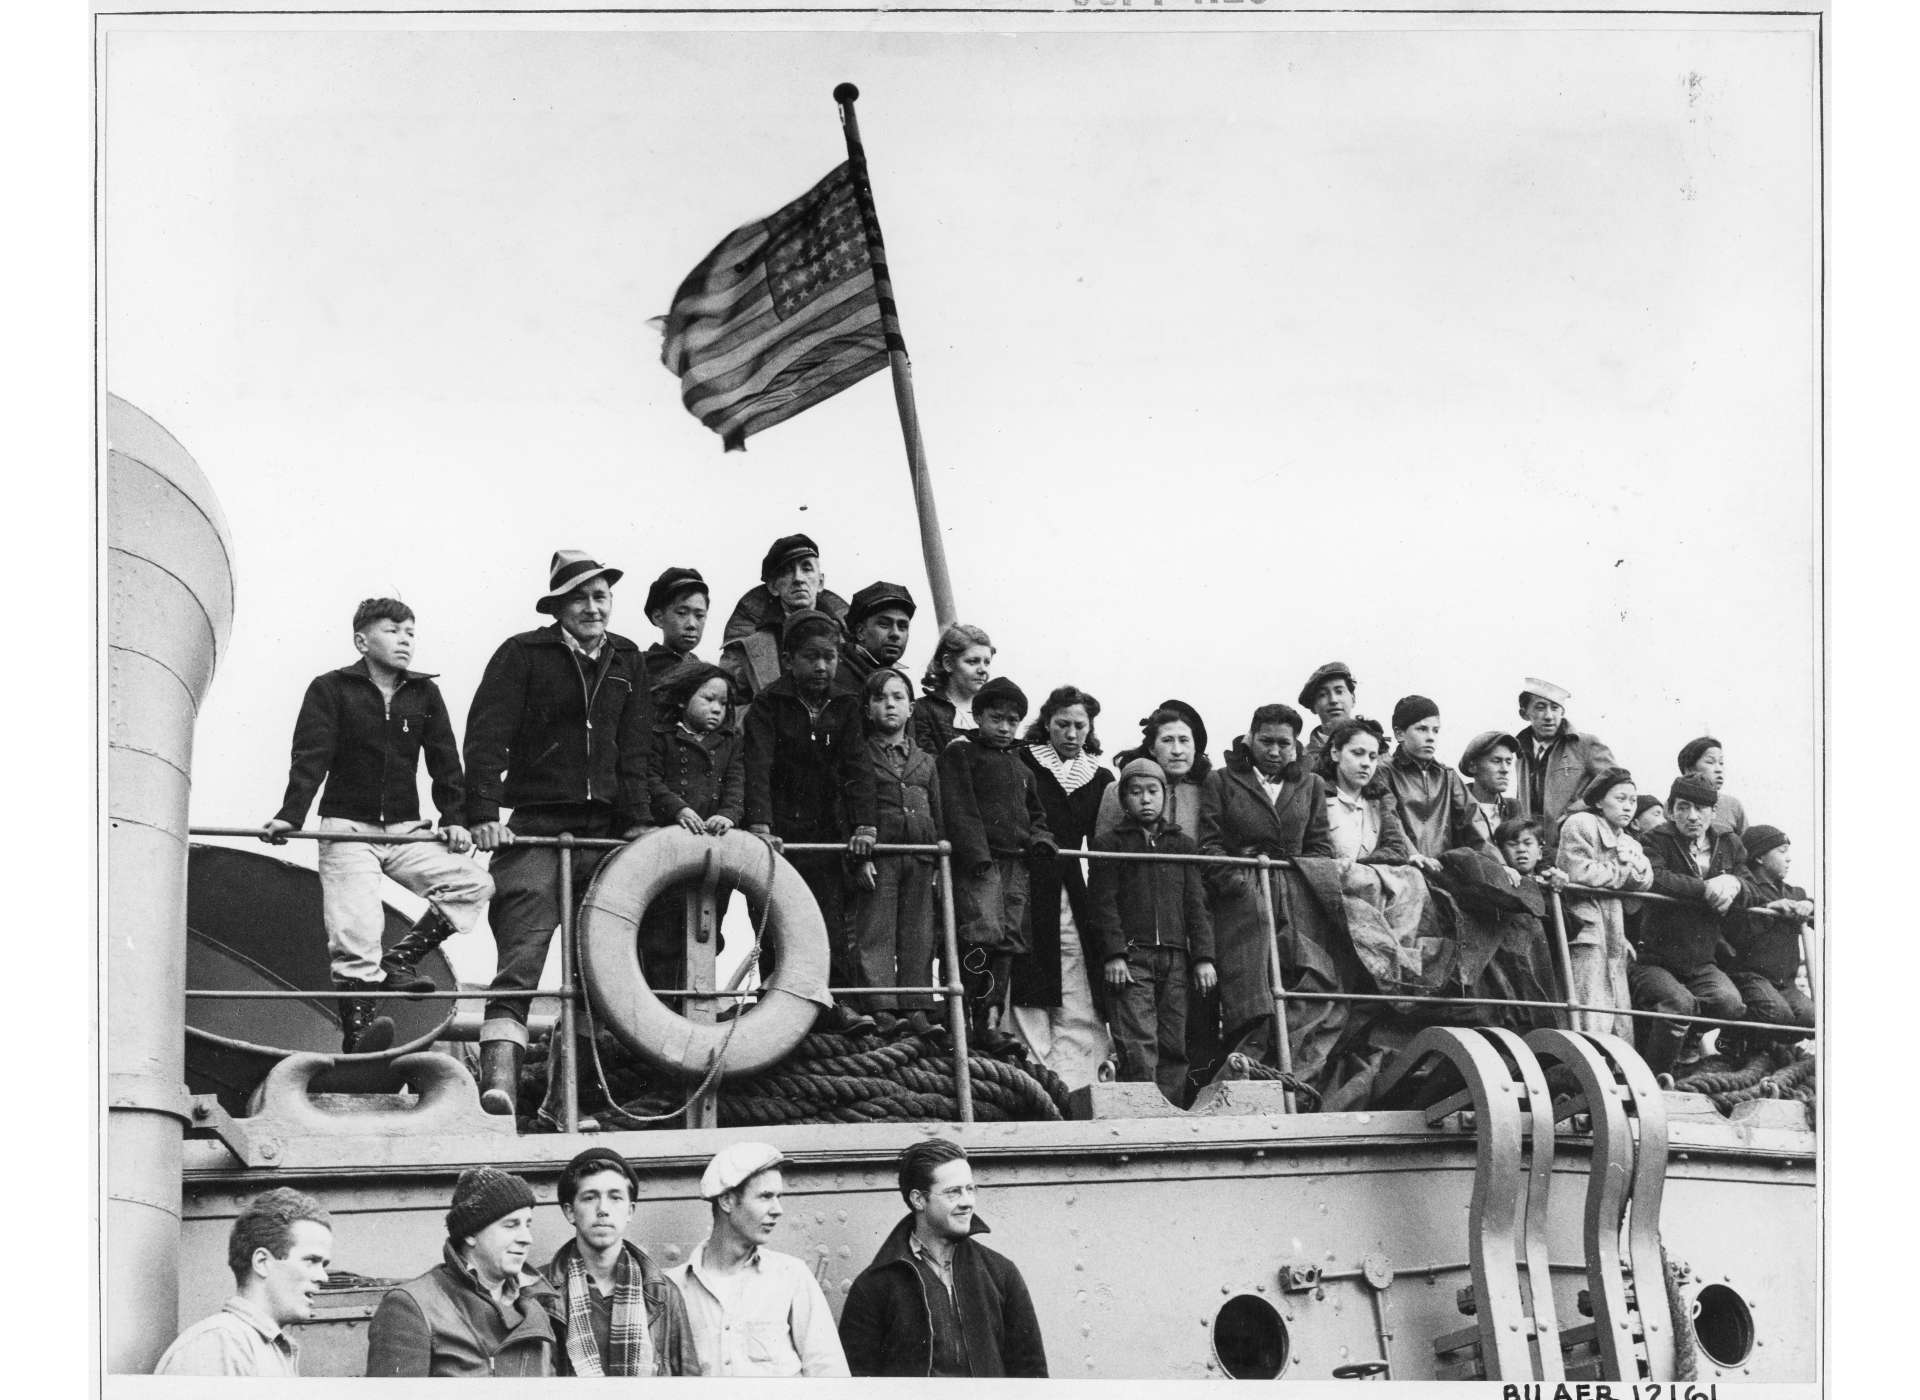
[1069, 1039]
[350, 901]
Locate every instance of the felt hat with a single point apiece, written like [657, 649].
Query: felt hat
[571, 568]
[1546, 690]
[813, 616]
[1483, 744]
[1698, 791]
[1760, 839]
[1603, 783]
[1333, 670]
[784, 551]
[1411, 709]
[1000, 691]
[1696, 750]
[483, 1195]
[877, 597]
[732, 1166]
[598, 1159]
[1191, 716]
[671, 584]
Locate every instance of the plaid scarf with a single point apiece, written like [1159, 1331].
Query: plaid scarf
[631, 1342]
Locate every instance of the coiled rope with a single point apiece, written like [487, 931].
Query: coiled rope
[841, 1079]
[1759, 1076]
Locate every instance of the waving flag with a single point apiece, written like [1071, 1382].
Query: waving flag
[785, 313]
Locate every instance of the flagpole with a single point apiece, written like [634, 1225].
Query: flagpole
[932, 547]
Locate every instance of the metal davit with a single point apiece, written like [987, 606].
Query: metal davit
[169, 612]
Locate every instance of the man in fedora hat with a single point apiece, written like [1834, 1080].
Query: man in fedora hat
[878, 622]
[755, 1312]
[558, 732]
[1555, 760]
[791, 582]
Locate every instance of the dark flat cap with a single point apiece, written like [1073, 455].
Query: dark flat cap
[878, 597]
[784, 551]
[1333, 670]
[671, 584]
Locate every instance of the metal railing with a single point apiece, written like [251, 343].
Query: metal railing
[1268, 894]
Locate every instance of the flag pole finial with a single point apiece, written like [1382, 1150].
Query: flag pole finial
[846, 93]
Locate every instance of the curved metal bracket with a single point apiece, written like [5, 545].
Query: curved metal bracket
[1609, 1187]
[1494, 1217]
[1647, 1108]
[1533, 1233]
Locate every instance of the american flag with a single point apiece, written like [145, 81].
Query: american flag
[783, 314]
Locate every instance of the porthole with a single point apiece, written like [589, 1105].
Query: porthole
[1723, 1325]
[1250, 1339]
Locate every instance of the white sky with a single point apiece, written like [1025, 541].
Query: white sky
[1459, 355]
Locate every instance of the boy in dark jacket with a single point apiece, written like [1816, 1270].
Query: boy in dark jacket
[361, 731]
[990, 810]
[893, 897]
[676, 604]
[808, 780]
[1766, 948]
[1679, 944]
[1150, 926]
[697, 779]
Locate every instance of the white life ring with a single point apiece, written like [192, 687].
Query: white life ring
[629, 880]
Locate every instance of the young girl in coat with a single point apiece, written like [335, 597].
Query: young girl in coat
[960, 666]
[1596, 850]
[1363, 821]
[891, 910]
[1055, 997]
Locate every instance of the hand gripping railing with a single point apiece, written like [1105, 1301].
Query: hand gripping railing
[1270, 899]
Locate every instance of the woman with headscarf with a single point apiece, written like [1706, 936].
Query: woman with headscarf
[1055, 998]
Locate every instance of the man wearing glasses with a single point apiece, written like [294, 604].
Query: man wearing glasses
[935, 1301]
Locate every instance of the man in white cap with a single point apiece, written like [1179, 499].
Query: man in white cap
[1556, 761]
[559, 731]
[755, 1312]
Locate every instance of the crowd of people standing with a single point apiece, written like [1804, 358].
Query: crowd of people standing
[1403, 872]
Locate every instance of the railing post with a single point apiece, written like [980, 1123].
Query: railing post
[568, 1063]
[956, 990]
[1562, 955]
[1283, 1042]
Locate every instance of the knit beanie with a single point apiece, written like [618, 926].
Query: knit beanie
[1143, 768]
[1693, 752]
[1595, 792]
[1760, 839]
[808, 621]
[483, 1195]
[1411, 710]
[1000, 691]
[1698, 791]
[1642, 803]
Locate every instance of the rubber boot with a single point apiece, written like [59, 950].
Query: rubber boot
[429, 933]
[363, 1031]
[503, 1046]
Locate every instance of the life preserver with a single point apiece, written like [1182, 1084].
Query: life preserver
[629, 880]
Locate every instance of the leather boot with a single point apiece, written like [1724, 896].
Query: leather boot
[500, 1075]
[363, 1030]
[429, 933]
